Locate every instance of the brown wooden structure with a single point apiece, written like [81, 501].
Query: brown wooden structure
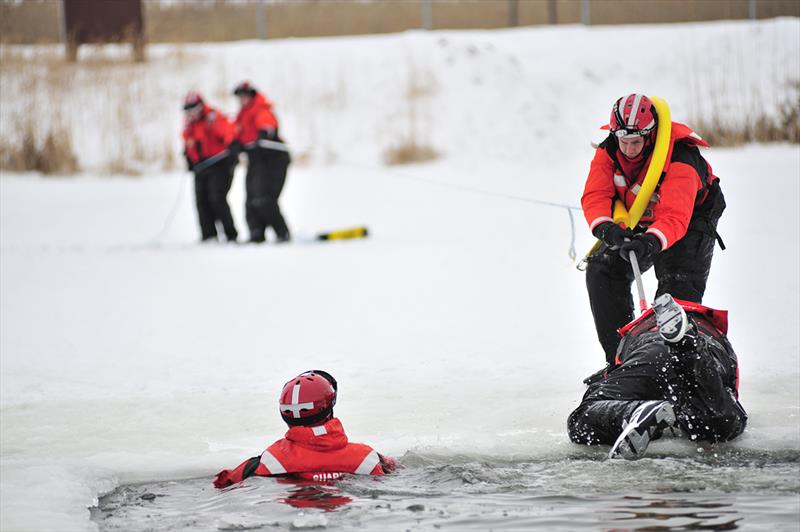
[101, 22]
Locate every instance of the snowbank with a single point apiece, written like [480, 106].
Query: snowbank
[502, 94]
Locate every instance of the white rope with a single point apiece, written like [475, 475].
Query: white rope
[156, 240]
[572, 253]
[502, 195]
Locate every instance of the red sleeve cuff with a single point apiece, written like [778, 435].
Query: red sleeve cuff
[655, 232]
[597, 221]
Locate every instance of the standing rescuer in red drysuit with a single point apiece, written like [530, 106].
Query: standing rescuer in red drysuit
[315, 446]
[267, 163]
[677, 230]
[207, 135]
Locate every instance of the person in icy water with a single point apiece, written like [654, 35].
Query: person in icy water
[677, 230]
[315, 446]
[675, 370]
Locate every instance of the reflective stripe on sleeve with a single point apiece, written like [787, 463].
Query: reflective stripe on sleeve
[368, 464]
[600, 219]
[660, 235]
[275, 467]
[272, 145]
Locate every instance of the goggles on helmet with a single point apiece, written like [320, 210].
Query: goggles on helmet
[193, 106]
[624, 132]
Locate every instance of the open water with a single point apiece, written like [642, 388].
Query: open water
[728, 490]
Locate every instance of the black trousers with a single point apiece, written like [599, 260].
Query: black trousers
[682, 271]
[211, 187]
[266, 175]
[697, 378]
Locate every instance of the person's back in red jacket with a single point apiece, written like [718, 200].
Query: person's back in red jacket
[315, 446]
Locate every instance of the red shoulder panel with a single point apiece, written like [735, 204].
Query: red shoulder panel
[719, 318]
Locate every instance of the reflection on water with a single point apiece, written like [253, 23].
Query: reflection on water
[322, 496]
[674, 515]
[729, 492]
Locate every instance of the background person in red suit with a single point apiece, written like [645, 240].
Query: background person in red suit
[267, 162]
[207, 135]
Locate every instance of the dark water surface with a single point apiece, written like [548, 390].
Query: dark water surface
[737, 490]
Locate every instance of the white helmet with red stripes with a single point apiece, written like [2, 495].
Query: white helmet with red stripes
[308, 399]
[633, 115]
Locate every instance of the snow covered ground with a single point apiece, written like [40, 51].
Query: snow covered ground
[130, 353]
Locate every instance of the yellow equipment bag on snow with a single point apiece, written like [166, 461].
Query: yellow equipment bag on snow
[344, 234]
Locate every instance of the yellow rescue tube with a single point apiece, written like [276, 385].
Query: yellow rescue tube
[657, 162]
[651, 178]
[345, 234]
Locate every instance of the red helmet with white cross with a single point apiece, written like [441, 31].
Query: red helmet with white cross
[308, 399]
[633, 115]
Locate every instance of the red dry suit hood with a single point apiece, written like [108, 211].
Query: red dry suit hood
[333, 438]
[719, 318]
[258, 100]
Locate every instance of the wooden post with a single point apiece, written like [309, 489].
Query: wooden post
[513, 13]
[72, 48]
[427, 15]
[552, 11]
[261, 20]
[138, 48]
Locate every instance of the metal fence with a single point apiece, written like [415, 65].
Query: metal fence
[221, 20]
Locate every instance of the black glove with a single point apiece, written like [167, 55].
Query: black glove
[612, 234]
[646, 246]
[189, 163]
[235, 148]
[268, 134]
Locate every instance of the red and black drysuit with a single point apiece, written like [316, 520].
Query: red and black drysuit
[699, 376]
[319, 453]
[683, 213]
[206, 142]
[268, 161]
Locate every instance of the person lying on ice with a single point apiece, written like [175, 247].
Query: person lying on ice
[675, 369]
[315, 447]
